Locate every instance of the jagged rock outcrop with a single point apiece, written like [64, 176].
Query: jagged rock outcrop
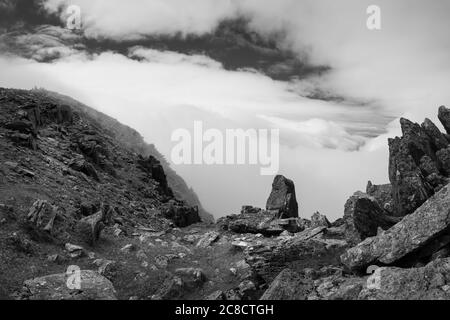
[153, 167]
[437, 138]
[444, 117]
[443, 156]
[282, 199]
[363, 216]
[417, 164]
[409, 187]
[85, 167]
[415, 237]
[54, 287]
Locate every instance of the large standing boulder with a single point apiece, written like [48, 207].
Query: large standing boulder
[363, 216]
[418, 163]
[431, 282]
[409, 187]
[92, 286]
[415, 237]
[282, 198]
[444, 117]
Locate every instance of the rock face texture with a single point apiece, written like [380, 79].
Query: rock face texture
[309, 248]
[417, 163]
[288, 285]
[252, 220]
[42, 215]
[363, 217]
[91, 226]
[382, 194]
[426, 230]
[181, 215]
[431, 282]
[282, 199]
[409, 187]
[438, 140]
[444, 117]
[319, 220]
[54, 287]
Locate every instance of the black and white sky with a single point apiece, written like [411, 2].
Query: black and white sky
[308, 67]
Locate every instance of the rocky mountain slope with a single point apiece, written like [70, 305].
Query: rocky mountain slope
[73, 194]
[133, 141]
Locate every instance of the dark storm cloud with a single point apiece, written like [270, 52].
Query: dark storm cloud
[25, 14]
[31, 31]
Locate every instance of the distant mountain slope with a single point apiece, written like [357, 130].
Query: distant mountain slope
[133, 141]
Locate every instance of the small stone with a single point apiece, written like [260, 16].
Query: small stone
[55, 258]
[128, 248]
[75, 251]
[216, 295]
